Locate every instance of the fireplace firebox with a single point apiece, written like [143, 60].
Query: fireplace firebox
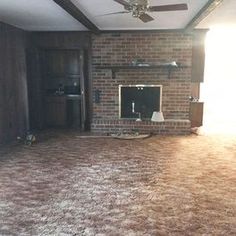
[139, 101]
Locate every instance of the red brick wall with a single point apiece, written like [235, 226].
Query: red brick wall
[154, 48]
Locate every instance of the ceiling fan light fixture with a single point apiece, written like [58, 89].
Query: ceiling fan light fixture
[141, 8]
[138, 10]
[138, 2]
[136, 14]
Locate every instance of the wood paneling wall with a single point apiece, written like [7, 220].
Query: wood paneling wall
[35, 92]
[13, 83]
[65, 40]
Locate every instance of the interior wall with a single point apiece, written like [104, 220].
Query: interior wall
[13, 83]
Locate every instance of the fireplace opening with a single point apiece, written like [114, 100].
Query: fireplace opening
[139, 101]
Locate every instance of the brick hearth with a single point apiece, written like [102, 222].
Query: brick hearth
[166, 127]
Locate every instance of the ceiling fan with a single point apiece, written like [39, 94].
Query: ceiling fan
[139, 8]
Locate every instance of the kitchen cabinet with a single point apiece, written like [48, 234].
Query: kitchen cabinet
[62, 69]
[64, 88]
[59, 59]
[55, 111]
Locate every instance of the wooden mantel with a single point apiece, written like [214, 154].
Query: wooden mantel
[115, 68]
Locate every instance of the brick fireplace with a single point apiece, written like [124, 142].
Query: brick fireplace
[117, 49]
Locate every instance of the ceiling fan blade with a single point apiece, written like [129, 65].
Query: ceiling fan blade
[172, 7]
[115, 13]
[122, 2]
[145, 18]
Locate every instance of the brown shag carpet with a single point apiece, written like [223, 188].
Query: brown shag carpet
[65, 185]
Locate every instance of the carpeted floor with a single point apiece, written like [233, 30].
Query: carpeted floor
[65, 185]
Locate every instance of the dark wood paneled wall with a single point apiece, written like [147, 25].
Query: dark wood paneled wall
[35, 92]
[13, 83]
[65, 40]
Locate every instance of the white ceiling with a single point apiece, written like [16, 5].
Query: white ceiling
[46, 15]
[222, 16]
[163, 20]
[38, 15]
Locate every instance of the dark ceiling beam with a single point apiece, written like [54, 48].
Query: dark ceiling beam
[74, 11]
[210, 6]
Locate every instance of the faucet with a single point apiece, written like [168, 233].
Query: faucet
[60, 89]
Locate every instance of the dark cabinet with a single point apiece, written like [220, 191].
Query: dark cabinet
[73, 111]
[58, 88]
[62, 111]
[55, 111]
[62, 70]
[58, 60]
[63, 87]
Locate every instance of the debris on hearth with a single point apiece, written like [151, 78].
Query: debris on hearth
[130, 135]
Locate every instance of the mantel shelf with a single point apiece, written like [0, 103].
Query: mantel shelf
[115, 68]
